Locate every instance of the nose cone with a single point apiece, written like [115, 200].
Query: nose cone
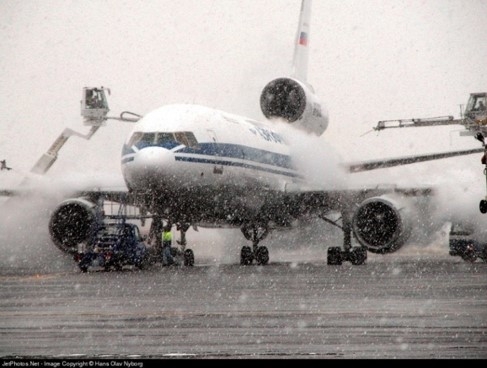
[153, 158]
[148, 167]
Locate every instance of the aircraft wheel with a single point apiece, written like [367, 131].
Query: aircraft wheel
[188, 258]
[334, 256]
[483, 206]
[144, 262]
[84, 263]
[358, 256]
[469, 254]
[470, 258]
[262, 255]
[484, 254]
[246, 256]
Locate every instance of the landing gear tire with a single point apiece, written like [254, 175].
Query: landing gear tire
[483, 206]
[246, 256]
[358, 256]
[469, 254]
[262, 255]
[188, 257]
[144, 263]
[334, 256]
[84, 263]
[469, 258]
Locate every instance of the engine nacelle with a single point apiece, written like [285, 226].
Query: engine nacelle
[293, 101]
[72, 222]
[383, 224]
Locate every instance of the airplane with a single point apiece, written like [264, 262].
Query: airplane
[193, 166]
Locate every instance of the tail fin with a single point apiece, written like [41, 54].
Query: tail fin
[300, 60]
[292, 98]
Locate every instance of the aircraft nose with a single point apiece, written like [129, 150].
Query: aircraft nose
[154, 159]
[149, 166]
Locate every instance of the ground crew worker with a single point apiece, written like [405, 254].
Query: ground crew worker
[167, 258]
[481, 106]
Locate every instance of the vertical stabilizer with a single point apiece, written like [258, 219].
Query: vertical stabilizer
[300, 60]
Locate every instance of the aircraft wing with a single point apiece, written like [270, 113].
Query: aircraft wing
[310, 201]
[109, 193]
[406, 160]
[119, 195]
[381, 219]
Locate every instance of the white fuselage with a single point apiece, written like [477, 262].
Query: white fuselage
[193, 149]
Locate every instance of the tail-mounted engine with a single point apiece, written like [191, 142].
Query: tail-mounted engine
[72, 223]
[382, 224]
[294, 102]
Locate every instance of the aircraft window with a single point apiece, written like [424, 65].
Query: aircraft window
[186, 138]
[148, 138]
[136, 137]
[164, 138]
[191, 139]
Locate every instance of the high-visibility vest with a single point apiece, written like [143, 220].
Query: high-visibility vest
[167, 236]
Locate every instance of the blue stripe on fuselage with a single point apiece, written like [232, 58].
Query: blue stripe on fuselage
[202, 160]
[236, 151]
[221, 152]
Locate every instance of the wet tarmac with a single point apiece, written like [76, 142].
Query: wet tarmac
[400, 306]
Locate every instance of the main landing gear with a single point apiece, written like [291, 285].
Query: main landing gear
[355, 255]
[335, 255]
[188, 254]
[183, 256]
[260, 254]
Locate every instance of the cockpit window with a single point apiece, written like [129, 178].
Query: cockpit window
[186, 138]
[163, 139]
[136, 137]
[148, 139]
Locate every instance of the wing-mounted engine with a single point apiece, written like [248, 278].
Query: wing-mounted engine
[383, 224]
[295, 102]
[72, 223]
